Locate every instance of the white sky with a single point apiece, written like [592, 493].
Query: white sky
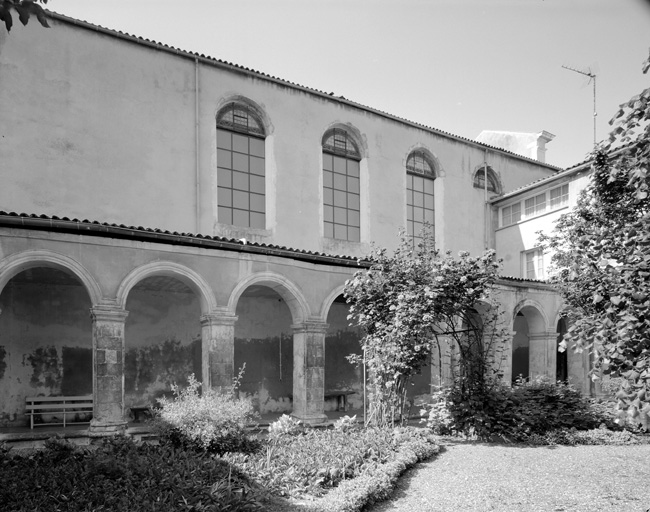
[457, 65]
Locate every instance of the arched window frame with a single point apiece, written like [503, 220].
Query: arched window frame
[241, 166]
[493, 180]
[341, 186]
[420, 204]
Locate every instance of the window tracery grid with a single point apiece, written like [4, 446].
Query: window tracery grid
[341, 187]
[241, 187]
[419, 195]
[492, 184]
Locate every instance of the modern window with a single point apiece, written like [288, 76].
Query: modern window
[533, 264]
[240, 167]
[511, 214]
[560, 196]
[341, 186]
[492, 184]
[420, 174]
[535, 205]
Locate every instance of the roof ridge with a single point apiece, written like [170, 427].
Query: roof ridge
[332, 96]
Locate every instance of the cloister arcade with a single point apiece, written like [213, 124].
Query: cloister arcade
[127, 326]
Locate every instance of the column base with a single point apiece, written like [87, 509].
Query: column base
[311, 419]
[106, 428]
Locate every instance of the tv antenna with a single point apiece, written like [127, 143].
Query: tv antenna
[592, 77]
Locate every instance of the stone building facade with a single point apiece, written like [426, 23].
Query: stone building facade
[164, 213]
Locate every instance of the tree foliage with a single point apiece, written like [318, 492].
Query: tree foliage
[602, 259]
[412, 303]
[25, 9]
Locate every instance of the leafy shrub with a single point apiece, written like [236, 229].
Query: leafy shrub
[317, 460]
[119, 474]
[346, 423]
[285, 426]
[211, 421]
[598, 436]
[527, 409]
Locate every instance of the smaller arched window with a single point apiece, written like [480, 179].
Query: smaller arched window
[492, 183]
[241, 118]
[341, 186]
[420, 173]
[241, 181]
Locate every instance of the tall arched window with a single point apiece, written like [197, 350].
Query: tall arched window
[341, 187]
[420, 174]
[493, 181]
[240, 167]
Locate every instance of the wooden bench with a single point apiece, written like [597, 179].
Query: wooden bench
[341, 398]
[65, 410]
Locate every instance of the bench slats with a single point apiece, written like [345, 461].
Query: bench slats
[37, 406]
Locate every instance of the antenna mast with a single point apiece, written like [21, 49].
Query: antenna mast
[592, 76]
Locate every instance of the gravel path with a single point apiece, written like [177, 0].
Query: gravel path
[484, 477]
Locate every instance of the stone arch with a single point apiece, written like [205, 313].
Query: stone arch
[439, 172]
[170, 269]
[329, 300]
[353, 132]
[286, 289]
[531, 353]
[534, 313]
[256, 109]
[492, 175]
[16, 263]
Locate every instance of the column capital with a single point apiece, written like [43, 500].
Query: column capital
[218, 319]
[108, 313]
[311, 326]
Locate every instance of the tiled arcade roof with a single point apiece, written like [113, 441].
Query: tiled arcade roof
[122, 231]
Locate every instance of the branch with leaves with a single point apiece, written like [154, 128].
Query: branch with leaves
[602, 259]
[408, 301]
[25, 9]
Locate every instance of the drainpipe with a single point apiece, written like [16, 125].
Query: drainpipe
[196, 148]
[485, 197]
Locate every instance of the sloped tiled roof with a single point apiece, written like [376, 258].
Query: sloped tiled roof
[574, 169]
[206, 59]
[154, 235]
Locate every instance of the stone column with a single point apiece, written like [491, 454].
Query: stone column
[309, 372]
[218, 350]
[542, 354]
[108, 370]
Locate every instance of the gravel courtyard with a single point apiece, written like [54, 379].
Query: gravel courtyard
[504, 478]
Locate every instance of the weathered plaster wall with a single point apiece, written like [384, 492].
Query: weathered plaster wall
[45, 345]
[75, 170]
[264, 342]
[162, 343]
[512, 240]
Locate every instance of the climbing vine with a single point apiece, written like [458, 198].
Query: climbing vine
[417, 303]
